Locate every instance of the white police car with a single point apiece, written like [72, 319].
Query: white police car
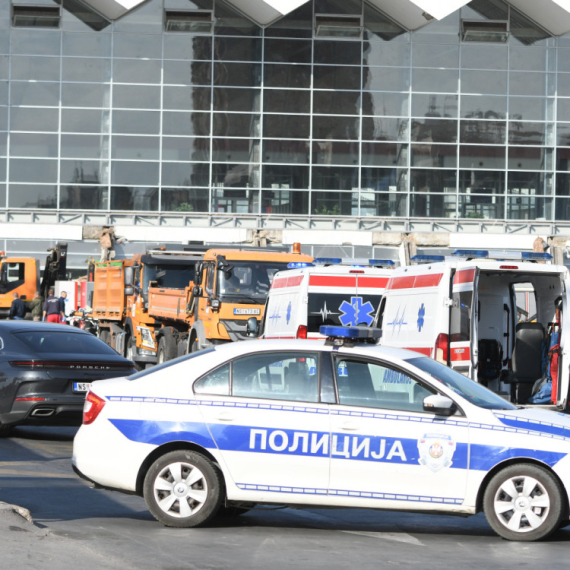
[336, 423]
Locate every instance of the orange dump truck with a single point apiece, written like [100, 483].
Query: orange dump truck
[229, 288]
[121, 299]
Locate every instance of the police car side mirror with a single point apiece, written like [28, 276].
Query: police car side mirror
[439, 405]
[252, 328]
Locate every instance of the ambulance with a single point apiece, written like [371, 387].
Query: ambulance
[329, 291]
[461, 310]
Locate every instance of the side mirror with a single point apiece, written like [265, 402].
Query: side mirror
[129, 276]
[439, 405]
[130, 290]
[252, 327]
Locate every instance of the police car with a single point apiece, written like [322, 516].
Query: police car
[328, 291]
[336, 423]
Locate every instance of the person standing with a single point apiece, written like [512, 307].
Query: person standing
[36, 306]
[17, 309]
[52, 308]
[62, 301]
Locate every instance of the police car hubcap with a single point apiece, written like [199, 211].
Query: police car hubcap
[522, 504]
[180, 490]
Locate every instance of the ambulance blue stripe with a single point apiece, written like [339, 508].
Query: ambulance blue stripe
[356, 494]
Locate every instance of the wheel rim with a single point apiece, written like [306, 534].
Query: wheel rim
[522, 504]
[160, 358]
[129, 354]
[180, 490]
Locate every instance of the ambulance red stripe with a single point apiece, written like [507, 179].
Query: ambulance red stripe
[415, 282]
[464, 276]
[330, 281]
[372, 282]
[287, 282]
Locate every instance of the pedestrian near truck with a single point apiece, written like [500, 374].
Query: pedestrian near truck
[17, 309]
[52, 308]
[36, 306]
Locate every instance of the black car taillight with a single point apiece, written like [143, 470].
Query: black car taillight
[91, 366]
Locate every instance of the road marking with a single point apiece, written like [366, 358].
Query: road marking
[42, 475]
[393, 536]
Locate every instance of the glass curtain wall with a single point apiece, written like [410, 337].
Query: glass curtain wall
[285, 120]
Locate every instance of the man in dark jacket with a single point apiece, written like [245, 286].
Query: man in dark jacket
[17, 309]
[52, 308]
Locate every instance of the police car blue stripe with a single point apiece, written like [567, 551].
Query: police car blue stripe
[530, 425]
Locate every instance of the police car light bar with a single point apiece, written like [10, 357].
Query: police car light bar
[503, 255]
[354, 262]
[428, 258]
[299, 264]
[341, 335]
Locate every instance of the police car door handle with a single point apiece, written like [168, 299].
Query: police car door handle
[225, 417]
[350, 426]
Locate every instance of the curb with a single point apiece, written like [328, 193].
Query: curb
[25, 513]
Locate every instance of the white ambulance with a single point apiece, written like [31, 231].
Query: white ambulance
[462, 311]
[329, 291]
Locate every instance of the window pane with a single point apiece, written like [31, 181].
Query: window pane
[434, 155]
[530, 133]
[245, 100]
[336, 102]
[334, 203]
[84, 146]
[87, 69]
[284, 202]
[41, 94]
[138, 148]
[137, 199]
[281, 376]
[521, 83]
[80, 121]
[477, 107]
[286, 51]
[83, 172]
[387, 53]
[481, 157]
[433, 180]
[433, 205]
[185, 149]
[532, 109]
[83, 197]
[297, 24]
[186, 98]
[27, 170]
[45, 42]
[533, 58]
[240, 175]
[232, 23]
[380, 154]
[383, 205]
[136, 122]
[335, 128]
[28, 196]
[482, 207]
[286, 177]
[435, 80]
[91, 45]
[384, 79]
[530, 183]
[136, 97]
[563, 209]
[85, 95]
[487, 82]
[297, 76]
[563, 187]
[286, 101]
[185, 199]
[383, 179]
[136, 71]
[33, 145]
[296, 152]
[237, 49]
[434, 105]
[237, 74]
[529, 208]
[235, 150]
[483, 132]
[335, 178]
[376, 103]
[483, 57]
[481, 182]
[225, 201]
[286, 126]
[133, 173]
[137, 45]
[187, 73]
[235, 125]
[186, 124]
[434, 130]
[373, 386]
[337, 52]
[38, 68]
[216, 382]
[186, 46]
[26, 119]
[382, 129]
[435, 55]
[528, 158]
[335, 152]
[334, 77]
[180, 174]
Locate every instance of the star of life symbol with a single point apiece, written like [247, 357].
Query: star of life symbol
[421, 315]
[398, 321]
[436, 451]
[355, 313]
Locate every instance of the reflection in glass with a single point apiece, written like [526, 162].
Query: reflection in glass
[386, 205]
[434, 130]
[83, 197]
[136, 97]
[285, 177]
[41, 94]
[481, 156]
[229, 22]
[187, 73]
[33, 119]
[284, 202]
[136, 148]
[533, 58]
[237, 74]
[286, 51]
[435, 80]
[237, 100]
[481, 182]
[134, 199]
[32, 170]
[378, 27]
[90, 45]
[334, 203]
[85, 95]
[336, 102]
[532, 109]
[529, 208]
[185, 149]
[235, 175]
[386, 53]
[383, 154]
[384, 179]
[335, 127]
[134, 172]
[137, 46]
[483, 107]
[434, 105]
[35, 41]
[485, 82]
[563, 209]
[184, 200]
[185, 124]
[483, 56]
[529, 133]
[82, 121]
[333, 77]
[33, 145]
[376, 103]
[32, 196]
[297, 24]
[297, 76]
[136, 122]
[185, 174]
[435, 55]
[87, 70]
[235, 150]
[563, 184]
[434, 155]
[530, 183]
[186, 98]
[237, 49]
[187, 46]
[529, 158]
[84, 146]
[433, 205]
[286, 126]
[235, 125]
[295, 152]
[335, 178]
[483, 132]
[442, 181]
[286, 101]
[482, 207]
[383, 129]
[83, 172]
[228, 201]
[383, 79]
[337, 52]
[541, 84]
[335, 152]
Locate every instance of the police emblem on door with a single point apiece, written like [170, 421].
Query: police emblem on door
[436, 451]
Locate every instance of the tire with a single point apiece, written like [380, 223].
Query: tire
[130, 348]
[200, 502]
[167, 349]
[524, 503]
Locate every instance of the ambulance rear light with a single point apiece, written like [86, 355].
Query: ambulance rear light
[509, 267]
[356, 271]
[92, 408]
[301, 332]
[441, 348]
[428, 258]
[299, 264]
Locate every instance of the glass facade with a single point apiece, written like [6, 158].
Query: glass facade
[128, 117]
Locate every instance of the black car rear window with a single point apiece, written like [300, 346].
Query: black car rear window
[65, 342]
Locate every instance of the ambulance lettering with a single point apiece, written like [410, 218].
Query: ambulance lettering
[436, 451]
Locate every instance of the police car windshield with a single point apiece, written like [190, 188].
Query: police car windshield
[472, 392]
[248, 281]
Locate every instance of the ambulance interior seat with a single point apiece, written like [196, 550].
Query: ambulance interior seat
[527, 360]
[490, 360]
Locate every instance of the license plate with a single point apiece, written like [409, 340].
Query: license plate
[81, 386]
[247, 311]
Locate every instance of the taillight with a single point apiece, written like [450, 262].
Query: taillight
[442, 348]
[92, 408]
[508, 267]
[301, 332]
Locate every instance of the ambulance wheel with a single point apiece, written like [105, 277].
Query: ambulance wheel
[166, 349]
[524, 502]
[183, 489]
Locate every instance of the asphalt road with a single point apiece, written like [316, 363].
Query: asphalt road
[77, 527]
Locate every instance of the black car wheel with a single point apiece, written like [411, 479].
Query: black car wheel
[5, 430]
[183, 489]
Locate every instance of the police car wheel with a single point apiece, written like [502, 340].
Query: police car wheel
[183, 489]
[524, 502]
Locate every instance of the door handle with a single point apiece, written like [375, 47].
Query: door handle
[225, 417]
[350, 426]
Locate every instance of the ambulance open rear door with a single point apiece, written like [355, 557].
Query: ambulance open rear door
[564, 366]
[463, 351]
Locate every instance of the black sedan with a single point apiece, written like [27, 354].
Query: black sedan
[46, 370]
